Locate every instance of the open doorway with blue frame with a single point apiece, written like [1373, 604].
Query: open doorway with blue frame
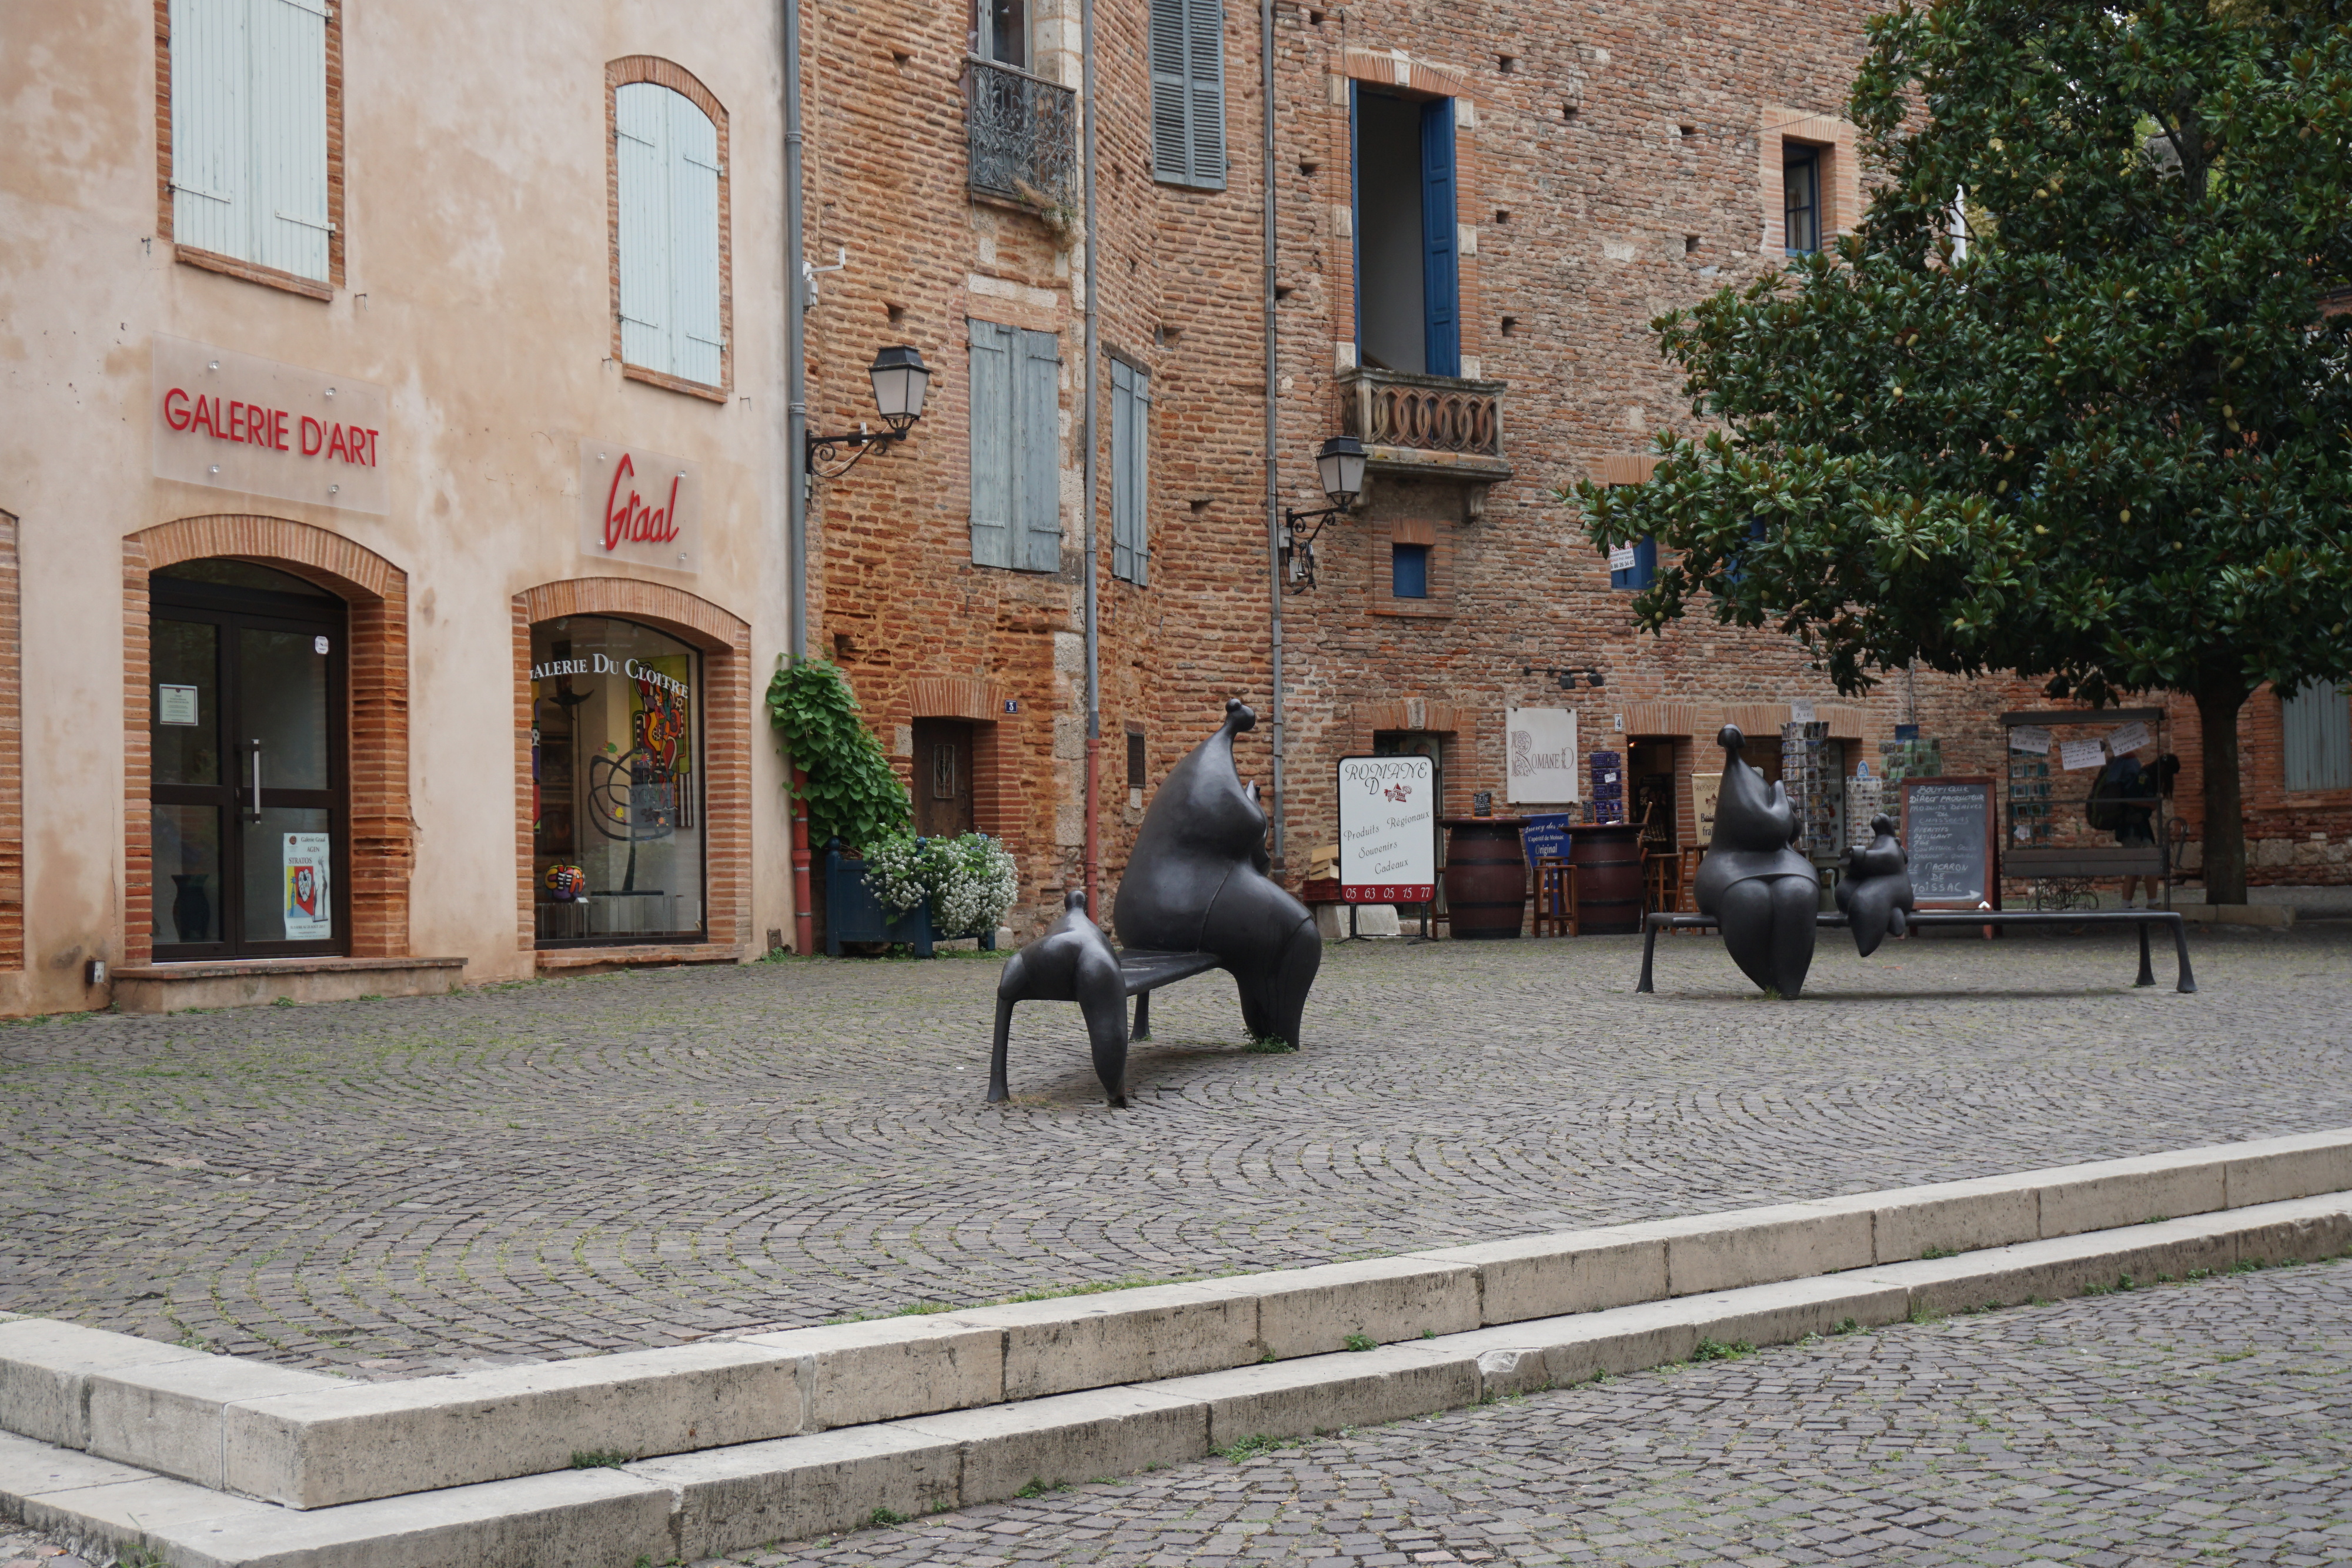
[1407, 272]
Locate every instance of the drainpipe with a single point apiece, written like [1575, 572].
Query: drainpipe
[1086, 428]
[1273, 422]
[795, 454]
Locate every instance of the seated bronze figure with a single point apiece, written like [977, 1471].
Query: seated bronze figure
[1197, 895]
[1762, 892]
[1875, 887]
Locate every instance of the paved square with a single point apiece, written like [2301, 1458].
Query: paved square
[2207, 1423]
[391, 1187]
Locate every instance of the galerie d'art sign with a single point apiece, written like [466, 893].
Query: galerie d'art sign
[640, 506]
[1388, 829]
[236, 422]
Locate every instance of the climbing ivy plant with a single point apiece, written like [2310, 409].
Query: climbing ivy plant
[851, 791]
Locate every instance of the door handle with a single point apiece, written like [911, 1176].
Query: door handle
[255, 815]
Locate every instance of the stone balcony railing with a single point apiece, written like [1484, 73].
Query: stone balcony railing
[1024, 132]
[1441, 426]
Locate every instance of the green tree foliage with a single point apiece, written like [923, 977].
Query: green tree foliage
[2111, 445]
[851, 791]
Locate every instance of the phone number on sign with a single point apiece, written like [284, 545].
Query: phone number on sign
[1390, 892]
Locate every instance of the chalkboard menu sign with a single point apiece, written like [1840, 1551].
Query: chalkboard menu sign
[1947, 832]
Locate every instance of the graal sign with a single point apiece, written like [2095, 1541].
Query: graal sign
[236, 422]
[1388, 829]
[640, 506]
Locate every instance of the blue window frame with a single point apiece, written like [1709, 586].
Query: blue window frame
[1409, 571]
[1635, 566]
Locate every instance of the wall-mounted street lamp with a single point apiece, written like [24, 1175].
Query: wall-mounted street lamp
[900, 378]
[1567, 678]
[1340, 465]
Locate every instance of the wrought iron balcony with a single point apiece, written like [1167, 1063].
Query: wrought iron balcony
[1437, 426]
[1023, 133]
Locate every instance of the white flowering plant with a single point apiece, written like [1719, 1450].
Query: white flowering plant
[970, 880]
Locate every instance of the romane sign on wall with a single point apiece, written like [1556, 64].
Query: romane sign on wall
[640, 506]
[238, 421]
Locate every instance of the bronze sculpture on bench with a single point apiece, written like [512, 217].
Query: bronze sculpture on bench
[1754, 882]
[1196, 897]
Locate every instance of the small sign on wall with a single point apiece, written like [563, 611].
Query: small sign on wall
[640, 506]
[1542, 752]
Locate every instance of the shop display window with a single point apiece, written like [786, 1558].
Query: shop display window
[617, 784]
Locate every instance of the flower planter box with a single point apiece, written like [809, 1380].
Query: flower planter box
[853, 914]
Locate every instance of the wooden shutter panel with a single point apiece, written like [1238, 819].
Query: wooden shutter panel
[210, 159]
[1205, 75]
[1141, 474]
[287, 40]
[1172, 97]
[2318, 733]
[1037, 451]
[1440, 236]
[992, 444]
[641, 126]
[693, 170]
[1122, 451]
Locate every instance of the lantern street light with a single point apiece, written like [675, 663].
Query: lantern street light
[900, 378]
[1340, 465]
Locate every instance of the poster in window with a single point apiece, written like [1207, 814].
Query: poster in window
[176, 705]
[309, 913]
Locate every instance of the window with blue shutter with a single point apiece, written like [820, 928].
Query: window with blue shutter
[1188, 93]
[667, 172]
[1016, 401]
[1130, 458]
[2318, 734]
[1635, 566]
[1440, 240]
[250, 131]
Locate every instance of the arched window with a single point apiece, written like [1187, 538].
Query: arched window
[669, 200]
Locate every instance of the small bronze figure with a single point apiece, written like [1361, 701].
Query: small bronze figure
[1071, 963]
[1875, 887]
[1762, 892]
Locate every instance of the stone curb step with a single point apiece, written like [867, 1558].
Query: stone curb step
[306, 1440]
[694, 1505]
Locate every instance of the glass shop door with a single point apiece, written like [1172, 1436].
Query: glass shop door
[248, 792]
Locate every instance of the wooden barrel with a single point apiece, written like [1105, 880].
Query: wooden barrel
[1486, 877]
[1608, 878]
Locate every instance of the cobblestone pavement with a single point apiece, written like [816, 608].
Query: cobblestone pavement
[2192, 1424]
[557, 1168]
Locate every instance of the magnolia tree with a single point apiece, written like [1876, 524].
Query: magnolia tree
[2069, 401]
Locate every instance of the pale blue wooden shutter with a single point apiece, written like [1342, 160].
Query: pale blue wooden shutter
[287, 40]
[641, 128]
[210, 132]
[2318, 725]
[1206, 36]
[695, 347]
[1037, 450]
[1187, 92]
[1131, 456]
[992, 444]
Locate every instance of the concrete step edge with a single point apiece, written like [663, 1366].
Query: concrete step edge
[308, 1440]
[725, 1499]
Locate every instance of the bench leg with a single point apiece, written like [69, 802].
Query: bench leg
[1649, 951]
[1142, 1030]
[2181, 949]
[2146, 974]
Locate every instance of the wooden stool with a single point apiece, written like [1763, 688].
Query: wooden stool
[1662, 882]
[1687, 882]
[1555, 897]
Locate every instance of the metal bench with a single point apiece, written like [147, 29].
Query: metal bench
[1145, 972]
[2142, 918]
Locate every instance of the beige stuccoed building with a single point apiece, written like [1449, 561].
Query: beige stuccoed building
[392, 557]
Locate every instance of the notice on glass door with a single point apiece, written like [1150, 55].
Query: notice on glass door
[310, 916]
